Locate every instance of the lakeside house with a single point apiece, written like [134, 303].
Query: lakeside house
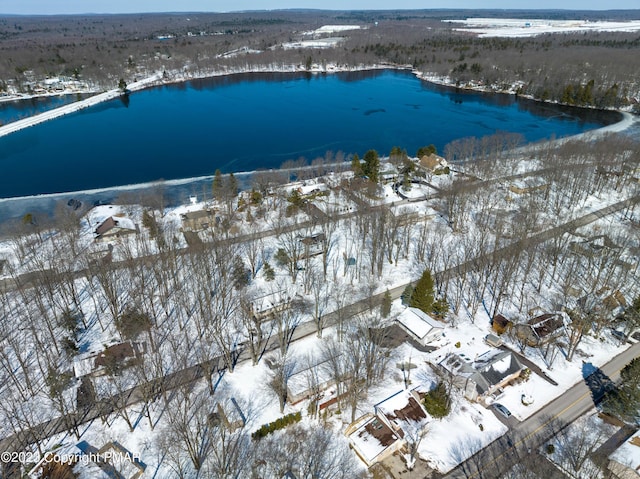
[198, 220]
[433, 163]
[115, 227]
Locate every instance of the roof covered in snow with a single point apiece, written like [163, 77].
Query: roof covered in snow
[418, 322]
[372, 438]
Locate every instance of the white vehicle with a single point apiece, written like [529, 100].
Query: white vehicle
[502, 410]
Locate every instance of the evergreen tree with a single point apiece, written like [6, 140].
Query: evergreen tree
[218, 186]
[356, 165]
[632, 315]
[371, 167]
[405, 297]
[281, 257]
[427, 151]
[269, 274]
[437, 402]
[440, 308]
[624, 401]
[423, 295]
[241, 274]
[232, 186]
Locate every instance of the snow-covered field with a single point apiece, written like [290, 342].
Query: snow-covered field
[506, 27]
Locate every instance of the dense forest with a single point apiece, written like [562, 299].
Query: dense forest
[590, 69]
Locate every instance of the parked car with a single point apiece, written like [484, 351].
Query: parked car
[502, 410]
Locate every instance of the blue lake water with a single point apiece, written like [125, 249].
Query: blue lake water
[18, 109]
[250, 121]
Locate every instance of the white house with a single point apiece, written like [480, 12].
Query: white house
[420, 325]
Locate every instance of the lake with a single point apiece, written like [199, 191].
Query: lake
[18, 109]
[249, 121]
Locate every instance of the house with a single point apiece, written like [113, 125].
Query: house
[271, 303]
[308, 381]
[372, 440]
[124, 463]
[115, 227]
[312, 245]
[528, 185]
[115, 356]
[420, 325]
[310, 189]
[433, 162]
[231, 416]
[198, 220]
[400, 408]
[484, 377]
[593, 246]
[604, 301]
[397, 418]
[541, 329]
[624, 462]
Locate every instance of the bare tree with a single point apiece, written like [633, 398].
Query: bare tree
[281, 373]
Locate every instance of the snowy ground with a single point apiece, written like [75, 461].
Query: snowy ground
[506, 27]
[573, 446]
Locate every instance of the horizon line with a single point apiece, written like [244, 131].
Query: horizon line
[167, 12]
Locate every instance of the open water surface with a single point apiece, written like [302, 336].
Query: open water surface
[250, 121]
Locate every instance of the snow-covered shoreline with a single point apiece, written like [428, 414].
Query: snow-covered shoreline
[73, 107]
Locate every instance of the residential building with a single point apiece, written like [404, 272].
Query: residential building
[420, 325]
[485, 376]
[115, 227]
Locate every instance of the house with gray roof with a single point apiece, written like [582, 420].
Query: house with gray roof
[485, 376]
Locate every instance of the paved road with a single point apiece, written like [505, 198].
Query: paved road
[492, 461]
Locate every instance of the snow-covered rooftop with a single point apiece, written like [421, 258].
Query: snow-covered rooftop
[418, 322]
[372, 438]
